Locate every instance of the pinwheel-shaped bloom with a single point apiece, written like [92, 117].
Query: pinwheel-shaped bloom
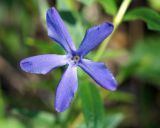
[42, 64]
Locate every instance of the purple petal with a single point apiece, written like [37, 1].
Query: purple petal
[57, 30]
[99, 73]
[42, 64]
[66, 89]
[94, 36]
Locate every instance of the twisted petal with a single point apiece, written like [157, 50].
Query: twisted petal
[57, 30]
[42, 64]
[94, 36]
[99, 73]
[66, 89]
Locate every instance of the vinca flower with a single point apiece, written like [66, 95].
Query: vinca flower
[42, 64]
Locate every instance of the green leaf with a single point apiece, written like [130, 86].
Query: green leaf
[109, 6]
[151, 17]
[91, 104]
[87, 2]
[113, 120]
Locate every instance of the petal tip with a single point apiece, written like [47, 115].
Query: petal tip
[59, 110]
[109, 25]
[114, 86]
[25, 65]
[51, 9]
[113, 89]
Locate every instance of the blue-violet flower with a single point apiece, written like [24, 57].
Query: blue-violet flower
[42, 64]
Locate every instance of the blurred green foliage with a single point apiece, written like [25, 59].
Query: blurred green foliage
[151, 17]
[144, 60]
[92, 104]
[110, 6]
[23, 33]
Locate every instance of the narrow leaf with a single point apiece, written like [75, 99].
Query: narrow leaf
[91, 104]
[151, 17]
[113, 120]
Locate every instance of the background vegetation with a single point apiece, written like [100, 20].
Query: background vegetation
[133, 55]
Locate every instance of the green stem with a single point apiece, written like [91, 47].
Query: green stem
[116, 22]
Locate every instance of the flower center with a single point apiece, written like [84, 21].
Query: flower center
[76, 59]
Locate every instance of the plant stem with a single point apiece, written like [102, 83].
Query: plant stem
[116, 22]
